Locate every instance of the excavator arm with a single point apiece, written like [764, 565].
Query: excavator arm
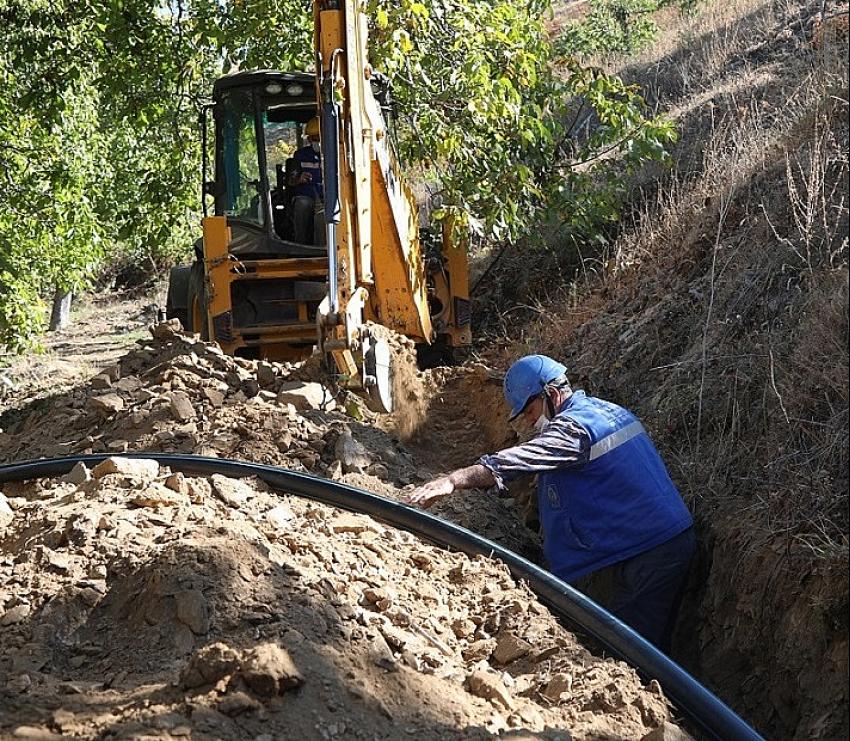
[378, 271]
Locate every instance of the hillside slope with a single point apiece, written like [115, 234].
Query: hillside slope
[720, 315]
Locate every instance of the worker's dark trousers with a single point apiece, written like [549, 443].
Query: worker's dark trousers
[303, 208]
[647, 589]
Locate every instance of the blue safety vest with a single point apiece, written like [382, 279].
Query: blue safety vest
[618, 504]
[311, 162]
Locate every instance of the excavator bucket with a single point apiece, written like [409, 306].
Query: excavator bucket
[378, 376]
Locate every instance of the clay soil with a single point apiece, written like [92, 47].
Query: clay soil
[137, 602]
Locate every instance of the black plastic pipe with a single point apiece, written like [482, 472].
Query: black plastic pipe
[699, 706]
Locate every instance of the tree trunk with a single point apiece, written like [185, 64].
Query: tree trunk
[60, 316]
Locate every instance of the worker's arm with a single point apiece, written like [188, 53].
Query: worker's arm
[562, 444]
[472, 477]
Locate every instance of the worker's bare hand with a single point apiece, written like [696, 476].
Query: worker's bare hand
[305, 177]
[432, 492]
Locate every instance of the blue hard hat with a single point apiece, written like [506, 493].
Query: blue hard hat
[528, 377]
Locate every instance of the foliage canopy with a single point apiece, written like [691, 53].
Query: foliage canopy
[617, 26]
[99, 151]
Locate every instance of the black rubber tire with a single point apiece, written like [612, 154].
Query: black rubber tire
[178, 292]
[197, 292]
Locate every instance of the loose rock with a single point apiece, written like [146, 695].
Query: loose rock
[231, 491]
[556, 686]
[102, 381]
[667, 732]
[6, 512]
[268, 670]
[305, 395]
[106, 405]
[351, 454]
[236, 703]
[181, 406]
[177, 482]
[79, 474]
[510, 648]
[489, 686]
[140, 468]
[157, 495]
[15, 615]
[348, 522]
[280, 517]
[35, 733]
[192, 610]
[209, 664]
[165, 331]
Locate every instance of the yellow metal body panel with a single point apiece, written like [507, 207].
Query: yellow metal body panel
[291, 341]
[333, 36]
[378, 236]
[362, 128]
[329, 29]
[400, 299]
[216, 270]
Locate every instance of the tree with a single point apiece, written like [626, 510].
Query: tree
[513, 130]
[95, 150]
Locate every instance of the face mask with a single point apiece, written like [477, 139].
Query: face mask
[541, 422]
[317, 147]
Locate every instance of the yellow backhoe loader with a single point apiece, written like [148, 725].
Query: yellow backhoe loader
[304, 251]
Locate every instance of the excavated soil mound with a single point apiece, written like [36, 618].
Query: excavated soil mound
[176, 394]
[141, 603]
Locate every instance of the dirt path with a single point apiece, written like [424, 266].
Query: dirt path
[103, 327]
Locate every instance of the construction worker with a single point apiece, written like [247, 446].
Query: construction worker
[306, 180]
[605, 499]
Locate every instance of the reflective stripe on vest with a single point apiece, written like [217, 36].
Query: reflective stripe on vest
[615, 440]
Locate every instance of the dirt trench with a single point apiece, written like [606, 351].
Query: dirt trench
[136, 602]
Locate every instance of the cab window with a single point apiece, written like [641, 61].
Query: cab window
[240, 159]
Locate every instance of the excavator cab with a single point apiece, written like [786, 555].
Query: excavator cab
[255, 286]
[260, 122]
[307, 252]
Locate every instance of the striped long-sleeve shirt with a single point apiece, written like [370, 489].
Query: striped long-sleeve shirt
[562, 444]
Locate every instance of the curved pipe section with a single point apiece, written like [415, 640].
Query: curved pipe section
[700, 706]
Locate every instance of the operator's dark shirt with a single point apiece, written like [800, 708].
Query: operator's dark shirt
[311, 162]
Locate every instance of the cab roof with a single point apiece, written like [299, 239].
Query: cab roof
[250, 78]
